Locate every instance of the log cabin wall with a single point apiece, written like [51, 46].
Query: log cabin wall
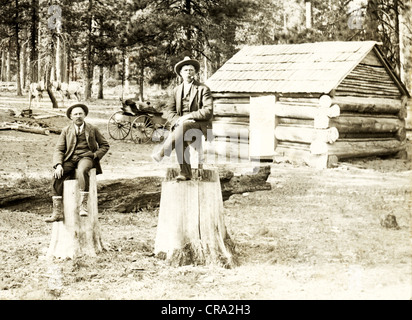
[373, 112]
[369, 79]
[231, 126]
[365, 116]
[294, 130]
[365, 126]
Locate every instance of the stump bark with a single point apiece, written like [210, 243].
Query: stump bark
[77, 235]
[191, 227]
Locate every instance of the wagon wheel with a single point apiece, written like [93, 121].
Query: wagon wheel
[161, 132]
[142, 129]
[118, 126]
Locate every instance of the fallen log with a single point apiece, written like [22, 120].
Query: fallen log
[25, 128]
[33, 130]
[131, 195]
[45, 116]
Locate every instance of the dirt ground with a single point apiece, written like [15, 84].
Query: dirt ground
[315, 235]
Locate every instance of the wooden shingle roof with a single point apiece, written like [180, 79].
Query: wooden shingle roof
[291, 68]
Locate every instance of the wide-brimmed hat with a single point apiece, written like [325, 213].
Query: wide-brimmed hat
[81, 105]
[185, 62]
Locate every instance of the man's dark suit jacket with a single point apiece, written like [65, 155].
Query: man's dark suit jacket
[67, 142]
[200, 105]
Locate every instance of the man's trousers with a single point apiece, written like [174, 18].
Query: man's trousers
[83, 166]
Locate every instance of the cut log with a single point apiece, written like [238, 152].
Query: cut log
[345, 149]
[300, 100]
[367, 135]
[298, 122]
[45, 116]
[237, 120]
[365, 94]
[191, 227]
[305, 134]
[358, 124]
[249, 182]
[34, 130]
[231, 100]
[293, 110]
[231, 109]
[23, 128]
[233, 130]
[77, 235]
[368, 105]
[325, 101]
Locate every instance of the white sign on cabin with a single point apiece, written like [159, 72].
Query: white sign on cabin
[262, 127]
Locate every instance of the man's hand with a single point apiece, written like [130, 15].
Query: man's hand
[88, 154]
[186, 117]
[58, 172]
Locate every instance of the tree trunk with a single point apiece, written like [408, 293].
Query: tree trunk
[141, 81]
[100, 92]
[3, 66]
[58, 66]
[23, 69]
[191, 228]
[8, 69]
[77, 235]
[48, 74]
[126, 74]
[89, 63]
[40, 69]
[16, 35]
[49, 87]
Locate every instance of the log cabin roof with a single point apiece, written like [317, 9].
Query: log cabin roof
[316, 68]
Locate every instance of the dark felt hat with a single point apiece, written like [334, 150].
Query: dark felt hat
[185, 62]
[81, 105]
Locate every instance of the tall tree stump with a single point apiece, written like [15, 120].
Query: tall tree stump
[77, 235]
[191, 227]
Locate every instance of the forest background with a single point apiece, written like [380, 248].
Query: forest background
[110, 42]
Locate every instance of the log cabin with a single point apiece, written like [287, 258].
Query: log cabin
[315, 103]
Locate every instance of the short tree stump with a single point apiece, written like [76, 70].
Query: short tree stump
[77, 235]
[191, 227]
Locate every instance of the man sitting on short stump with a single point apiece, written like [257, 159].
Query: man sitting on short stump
[80, 146]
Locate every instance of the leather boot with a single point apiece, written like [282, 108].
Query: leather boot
[57, 214]
[84, 196]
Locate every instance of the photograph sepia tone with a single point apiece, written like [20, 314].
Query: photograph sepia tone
[205, 150]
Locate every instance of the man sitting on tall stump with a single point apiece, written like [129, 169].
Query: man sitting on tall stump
[80, 146]
[190, 112]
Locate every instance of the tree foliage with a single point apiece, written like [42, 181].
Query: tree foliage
[147, 37]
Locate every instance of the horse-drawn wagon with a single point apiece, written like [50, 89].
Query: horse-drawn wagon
[140, 121]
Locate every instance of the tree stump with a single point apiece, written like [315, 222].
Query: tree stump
[77, 235]
[191, 227]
